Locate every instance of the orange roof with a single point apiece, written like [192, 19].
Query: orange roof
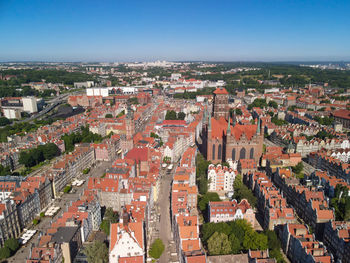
[220, 91]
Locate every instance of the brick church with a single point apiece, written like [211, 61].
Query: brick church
[226, 139]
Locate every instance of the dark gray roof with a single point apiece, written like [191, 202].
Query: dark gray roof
[64, 234]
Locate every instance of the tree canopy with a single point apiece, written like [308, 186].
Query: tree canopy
[241, 191]
[97, 252]
[32, 157]
[201, 173]
[218, 244]
[341, 203]
[4, 121]
[109, 217]
[237, 236]
[156, 249]
[77, 137]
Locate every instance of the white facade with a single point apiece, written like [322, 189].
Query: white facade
[126, 246]
[220, 178]
[4, 195]
[175, 76]
[29, 104]
[168, 152]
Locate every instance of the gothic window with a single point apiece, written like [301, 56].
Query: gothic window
[242, 154]
[251, 155]
[213, 153]
[233, 154]
[219, 152]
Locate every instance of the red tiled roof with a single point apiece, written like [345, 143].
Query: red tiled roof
[220, 91]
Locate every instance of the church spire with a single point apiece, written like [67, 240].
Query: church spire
[234, 118]
[209, 123]
[228, 132]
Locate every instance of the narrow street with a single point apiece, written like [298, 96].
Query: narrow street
[164, 212]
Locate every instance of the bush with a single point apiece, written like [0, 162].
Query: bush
[35, 221]
[42, 214]
[86, 170]
[156, 249]
[67, 189]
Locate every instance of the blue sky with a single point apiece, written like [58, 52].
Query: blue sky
[219, 30]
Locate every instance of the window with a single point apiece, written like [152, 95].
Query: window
[233, 154]
[213, 153]
[242, 154]
[251, 155]
[219, 152]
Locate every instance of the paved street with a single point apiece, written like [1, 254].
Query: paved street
[164, 211]
[64, 203]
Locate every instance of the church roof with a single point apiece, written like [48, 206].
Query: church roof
[219, 128]
[220, 91]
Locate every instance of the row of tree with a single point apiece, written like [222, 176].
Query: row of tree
[172, 115]
[261, 103]
[34, 156]
[201, 173]
[241, 191]
[341, 203]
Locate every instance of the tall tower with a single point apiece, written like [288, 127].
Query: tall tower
[220, 104]
[129, 123]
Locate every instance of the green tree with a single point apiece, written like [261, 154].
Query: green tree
[235, 244]
[204, 200]
[67, 189]
[253, 240]
[105, 227]
[109, 217]
[243, 192]
[26, 159]
[5, 253]
[201, 173]
[273, 104]
[12, 244]
[260, 103]
[50, 151]
[97, 252]
[157, 248]
[218, 244]
[181, 115]
[108, 115]
[238, 112]
[4, 170]
[171, 115]
[4, 121]
[298, 168]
